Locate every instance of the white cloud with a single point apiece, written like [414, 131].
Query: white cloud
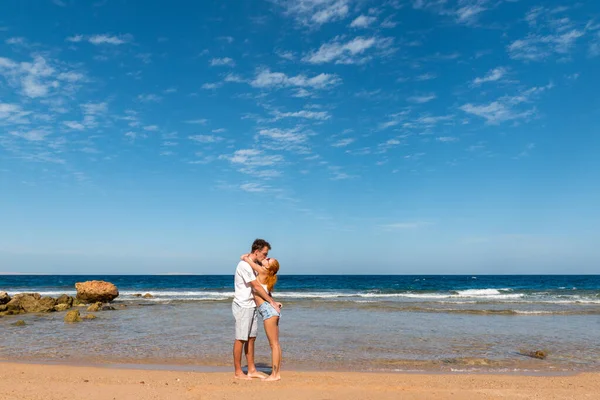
[15, 41]
[74, 125]
[506, 108]
[149, 98]
[350, 52]
[267, 79]
[255, 162]
[35, 79]
[254, 187]
[71, 76]
[462, 11]
[151, 128]
[492, 76]
[103, 39]
[233, 78]
[495, 112]
[316, 115]
[405, 225]
[33, 135]
[362, 21]
[218, 62]
[425, 77]
[551, 34]
[538, 48]
[205, 138]
[212, 86]
[314, 13]
[201, 121]
[284, 139]
[422, 99]
[343, 142]
[446, 139]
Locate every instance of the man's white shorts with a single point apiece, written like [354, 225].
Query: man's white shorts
[246, 322]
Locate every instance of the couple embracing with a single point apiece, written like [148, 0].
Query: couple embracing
[255, 276]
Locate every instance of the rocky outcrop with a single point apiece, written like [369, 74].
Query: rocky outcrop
[30, 303]
[65, 299]
[61, 307]
[90, 316]
[19, 323]
[96, 291]
[73, 316]
[148, 296]
[94, 307]
[4, 298]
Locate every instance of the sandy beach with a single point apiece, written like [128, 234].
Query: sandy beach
[49, 382]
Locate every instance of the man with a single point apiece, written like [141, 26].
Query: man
[244, 310]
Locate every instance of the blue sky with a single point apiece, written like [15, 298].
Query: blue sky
[424, 136]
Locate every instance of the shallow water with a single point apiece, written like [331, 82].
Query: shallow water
[473, 332]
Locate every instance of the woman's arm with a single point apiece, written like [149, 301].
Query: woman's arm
[256, 267]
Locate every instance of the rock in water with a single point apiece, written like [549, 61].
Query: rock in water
[4, 298]
[20, 323]
[30, 303]
[73, 316]
[94, 307]
[148, 296]
[96, 291]
[90, 316]
[61, 307]
[64, 299]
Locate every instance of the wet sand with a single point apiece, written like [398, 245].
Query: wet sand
[48, 382]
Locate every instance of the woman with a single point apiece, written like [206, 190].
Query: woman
[267, 277]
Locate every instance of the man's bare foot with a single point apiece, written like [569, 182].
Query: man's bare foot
[272, 378]
[243, 377]
[257, 374]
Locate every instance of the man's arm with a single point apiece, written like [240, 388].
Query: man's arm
[259, 290]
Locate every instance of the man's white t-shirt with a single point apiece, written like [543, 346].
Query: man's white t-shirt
[244, 274]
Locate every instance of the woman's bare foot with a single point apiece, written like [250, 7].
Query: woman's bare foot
[272, 378]
[243, 377]
[257, 374]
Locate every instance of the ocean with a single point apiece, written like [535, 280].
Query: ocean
[355, 322]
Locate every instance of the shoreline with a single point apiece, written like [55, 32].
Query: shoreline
[25, 381]
[222, 368]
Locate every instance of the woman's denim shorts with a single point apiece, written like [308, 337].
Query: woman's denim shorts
[267, 311]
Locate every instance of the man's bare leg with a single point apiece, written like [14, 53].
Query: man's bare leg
[272, 331]
[249, 350]
[238, 347]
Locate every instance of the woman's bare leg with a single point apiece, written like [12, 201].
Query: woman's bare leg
[272, 331]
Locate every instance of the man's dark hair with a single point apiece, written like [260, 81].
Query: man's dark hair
[260, 244]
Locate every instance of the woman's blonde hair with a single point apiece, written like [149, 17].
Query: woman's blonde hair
[271, 278]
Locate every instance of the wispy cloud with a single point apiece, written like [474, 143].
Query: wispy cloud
[206, 138]
[493, 75]
[255, 162]
[507, 108]
[294, 139]
[551, 35]
[351, 52]
[267, 79]
[200, 121]
[314, 13]
[219, 62]
[422, 98]
[103, 39]
[363, 21]
[405, 225]
[306, 114]
[343, 142]
[252, 187]
[149, 98]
